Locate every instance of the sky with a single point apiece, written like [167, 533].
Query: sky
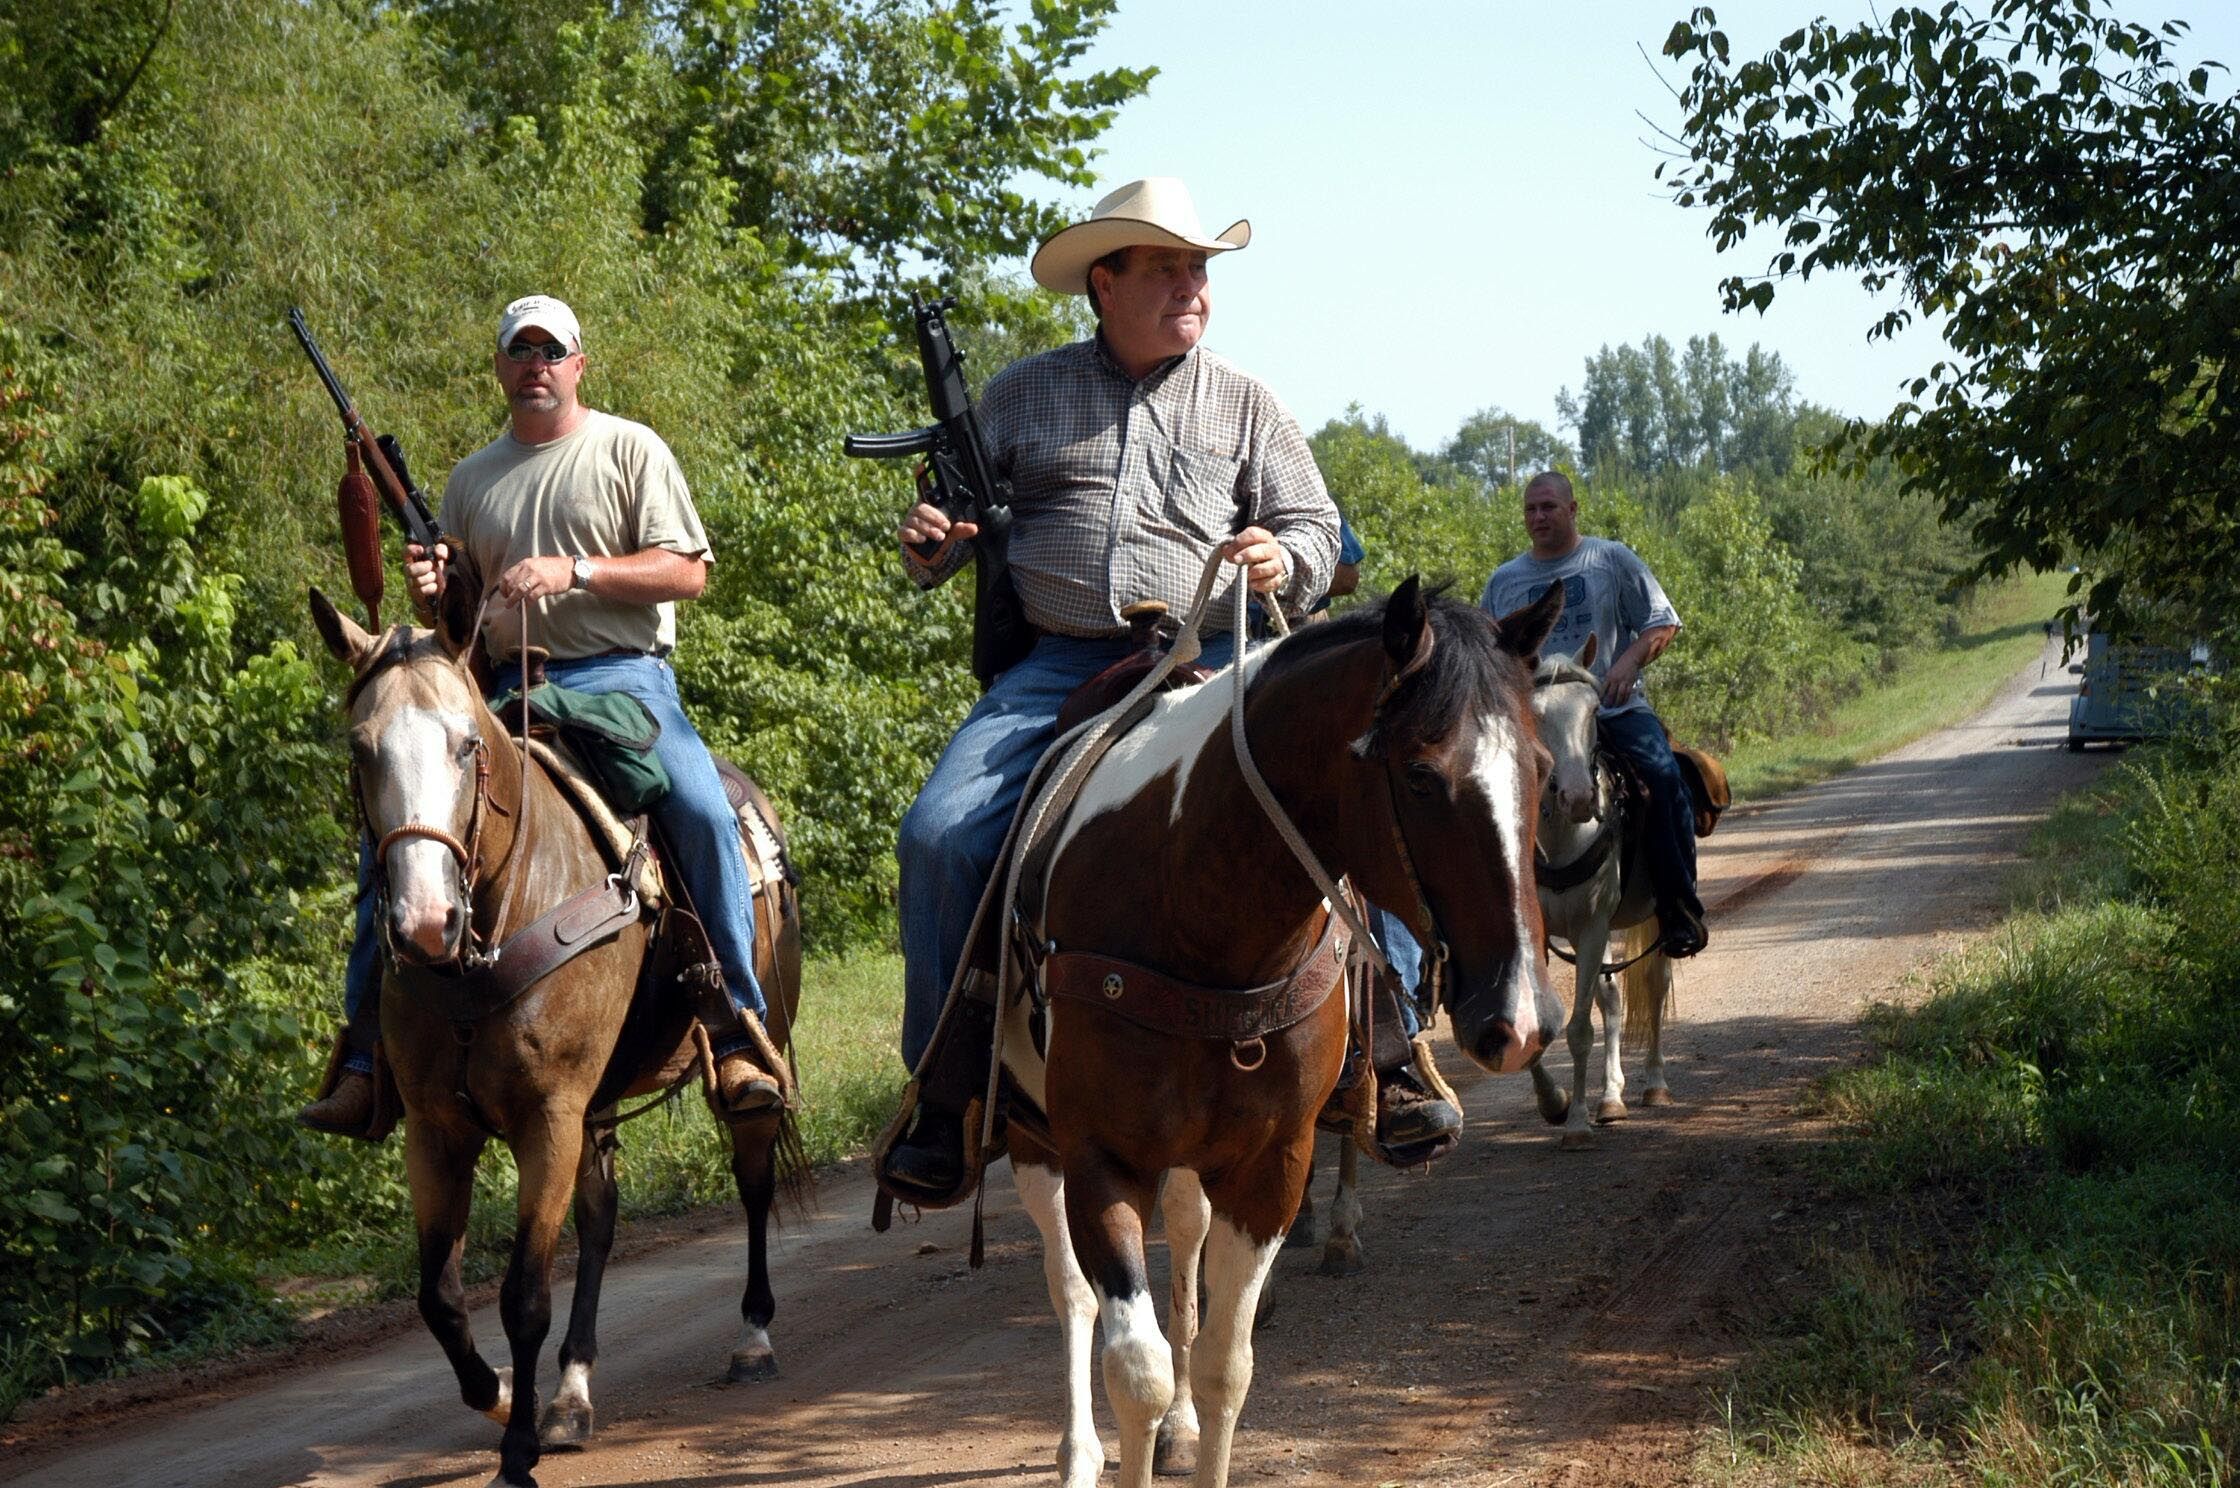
[1453, 202]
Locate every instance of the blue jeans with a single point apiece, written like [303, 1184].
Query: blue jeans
[695, 817]
[953, 831]
[1638, 735]
[1406, 956]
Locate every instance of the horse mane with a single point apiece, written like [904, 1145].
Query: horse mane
[400, 644]
[1468, 672]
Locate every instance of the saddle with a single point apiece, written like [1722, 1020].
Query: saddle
[1707, 783]
[1153, 631]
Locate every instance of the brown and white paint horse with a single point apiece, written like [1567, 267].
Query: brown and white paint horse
[431, 758]
[1400, 739]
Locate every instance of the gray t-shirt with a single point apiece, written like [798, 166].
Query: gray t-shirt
[1608, 592]
[607, 489]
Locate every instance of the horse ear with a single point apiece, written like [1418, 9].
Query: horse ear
[1407, 627]
[1523, 632]
[350, 642]
[1585, 658]
[461, 606]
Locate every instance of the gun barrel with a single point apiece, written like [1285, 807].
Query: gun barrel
[310, 343]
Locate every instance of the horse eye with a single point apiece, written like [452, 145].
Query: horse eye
[1423, 779]
[466, 748]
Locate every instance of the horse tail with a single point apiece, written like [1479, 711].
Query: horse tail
[789, 1157]
[1638, 983]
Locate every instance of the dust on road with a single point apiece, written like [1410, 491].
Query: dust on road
[1529, 1315]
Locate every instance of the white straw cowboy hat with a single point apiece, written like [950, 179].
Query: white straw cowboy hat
[1154, 212]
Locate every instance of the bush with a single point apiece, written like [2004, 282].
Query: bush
[2075, 1085]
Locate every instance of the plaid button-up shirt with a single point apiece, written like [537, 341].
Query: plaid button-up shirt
[1120, 489]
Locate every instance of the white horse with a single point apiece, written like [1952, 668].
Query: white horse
[1594, 881]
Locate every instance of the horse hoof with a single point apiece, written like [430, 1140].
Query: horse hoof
[1341, 1258]
[1175, 1453]
[566, 1423]
[1578, 1141]
[754, 1368]
[1557, 1113]
[1609, 1110]
[1656, 1095]
[1079, 1466]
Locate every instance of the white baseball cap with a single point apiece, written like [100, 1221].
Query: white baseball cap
[547, 314]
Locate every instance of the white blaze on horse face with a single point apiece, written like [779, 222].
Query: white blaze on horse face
[1498, 768]
[420, 780]
[1181, 726]
[1567, 717]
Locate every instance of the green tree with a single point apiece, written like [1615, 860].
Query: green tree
[1452, 531]
[2056, 189]
[882, 142]
[1651, 410]
[1497, 449]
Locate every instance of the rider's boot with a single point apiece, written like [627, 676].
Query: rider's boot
[753, 1077]
[1418, 1117]
[1409, 1112]
[1684, 932]
[925, 1164]
[349, 1103]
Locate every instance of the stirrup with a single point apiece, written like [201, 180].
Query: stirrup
[385, 1108]
[764, 1055]
[894, 1189]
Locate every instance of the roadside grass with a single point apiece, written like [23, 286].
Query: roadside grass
[2043, 1282]
[2000, 630]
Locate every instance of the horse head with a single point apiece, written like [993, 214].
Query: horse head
[422, 763]
[1566, 699]
[1443, 833]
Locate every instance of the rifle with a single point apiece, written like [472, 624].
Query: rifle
[959, 478]
[383, 460]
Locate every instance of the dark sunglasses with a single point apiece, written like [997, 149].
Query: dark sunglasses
[530, 351]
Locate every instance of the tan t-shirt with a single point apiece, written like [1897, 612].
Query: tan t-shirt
[608, 489]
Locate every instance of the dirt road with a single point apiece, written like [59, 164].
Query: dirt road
[1528, 1316]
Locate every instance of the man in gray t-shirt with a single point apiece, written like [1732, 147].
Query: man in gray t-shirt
[583, 521]
[1610, 595]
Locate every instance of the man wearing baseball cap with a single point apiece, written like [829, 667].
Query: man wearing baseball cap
[585, 519]
[1130, 456]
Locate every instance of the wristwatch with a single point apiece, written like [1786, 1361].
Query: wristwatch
[580, 572]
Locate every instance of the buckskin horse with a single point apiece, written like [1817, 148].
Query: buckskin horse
[474, 833]
[1594, 878]
[1400, 740]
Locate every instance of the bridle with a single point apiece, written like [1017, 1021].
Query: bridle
[1590, 859]
[1579, 869]
[476, 952]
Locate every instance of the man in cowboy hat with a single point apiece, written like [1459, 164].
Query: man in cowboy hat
[1130, 456]
[586, 517]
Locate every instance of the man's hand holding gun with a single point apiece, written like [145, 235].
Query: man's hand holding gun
[960, 497]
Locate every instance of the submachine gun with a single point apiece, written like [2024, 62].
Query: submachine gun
[375, 464]
[957, 475]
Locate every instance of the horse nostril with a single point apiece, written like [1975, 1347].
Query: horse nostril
[1494, 1039]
